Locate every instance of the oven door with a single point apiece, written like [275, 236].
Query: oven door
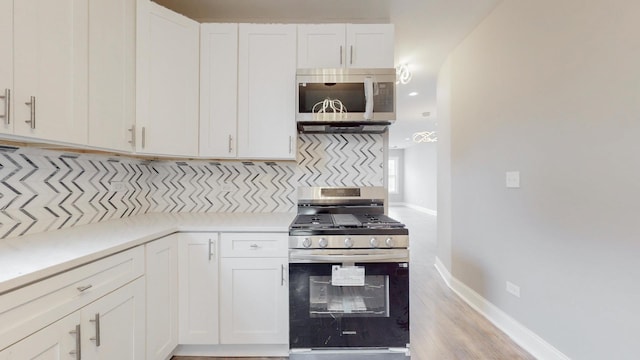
[324, 316]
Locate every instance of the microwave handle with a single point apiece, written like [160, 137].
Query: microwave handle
[368, 95]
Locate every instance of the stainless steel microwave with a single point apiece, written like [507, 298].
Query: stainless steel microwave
[345, 100]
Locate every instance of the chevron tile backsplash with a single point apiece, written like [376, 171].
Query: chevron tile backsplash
[42, 190]
[199, 186]
[340, 160]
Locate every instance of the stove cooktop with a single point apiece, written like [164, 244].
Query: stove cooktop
[345, 224]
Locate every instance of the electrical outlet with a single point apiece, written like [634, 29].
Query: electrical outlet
[118, 186]
[513, 289]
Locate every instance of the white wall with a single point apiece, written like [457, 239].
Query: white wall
[443, 157]
[420, 171]
[551, 88]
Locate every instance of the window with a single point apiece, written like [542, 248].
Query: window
[393, 175]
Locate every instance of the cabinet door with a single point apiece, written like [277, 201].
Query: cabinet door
[56, 341]
[161, 277]
[111, 73]
[167, 78]
[370, 45]
[321, 46]
[218, 90]
[255, 301]
[266, 91]
[113, 326]
[6, 65]
[198, 288]
[50, 44]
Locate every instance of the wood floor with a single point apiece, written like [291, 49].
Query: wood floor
[443, 327]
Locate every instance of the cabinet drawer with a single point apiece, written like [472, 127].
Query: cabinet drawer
[254, 244]
[28, 309]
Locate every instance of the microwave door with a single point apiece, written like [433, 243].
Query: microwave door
[368, 94]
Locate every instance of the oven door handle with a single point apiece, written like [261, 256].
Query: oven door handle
[400, 256]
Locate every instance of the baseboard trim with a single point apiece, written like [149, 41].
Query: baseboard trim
[233, 350]
[416, 207]
[519, 333]
[443, 271]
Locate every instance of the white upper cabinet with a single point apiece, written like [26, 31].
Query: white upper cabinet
[321, 46]
[266, 91]
[370, 45]
[112, 61]
[167, 82]
[350, 45]
[6, 65]
[218, 90]
[50, 69]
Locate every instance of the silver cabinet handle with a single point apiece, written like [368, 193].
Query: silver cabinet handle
[211, 253]
[78, 351]
[96, 321]
[290, 144]
[7, 106]
[230, 144]
[144, 136]
[255, 246]
[132, 130]
[351, 55]
[340, 54]
[84, 287]
[32, 117]
[282, 275]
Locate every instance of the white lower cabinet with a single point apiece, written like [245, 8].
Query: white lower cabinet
[254, 301]
[162, 296]
[233, 289]
[254, 306]
[56, 341]
[198, 288]
[112, 327]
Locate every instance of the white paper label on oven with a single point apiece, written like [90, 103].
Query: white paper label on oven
[347, 275]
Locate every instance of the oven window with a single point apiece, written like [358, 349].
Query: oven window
[370, 300]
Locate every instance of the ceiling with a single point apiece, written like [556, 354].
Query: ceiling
[426, 31]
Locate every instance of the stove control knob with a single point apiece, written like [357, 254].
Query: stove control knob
[323, 242]
[348, 242]
[389, 242]
[306, 242]
[374, 242]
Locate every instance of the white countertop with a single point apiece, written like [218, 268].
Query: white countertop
[30, 258]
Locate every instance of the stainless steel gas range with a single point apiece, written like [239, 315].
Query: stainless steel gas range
[348, 277]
